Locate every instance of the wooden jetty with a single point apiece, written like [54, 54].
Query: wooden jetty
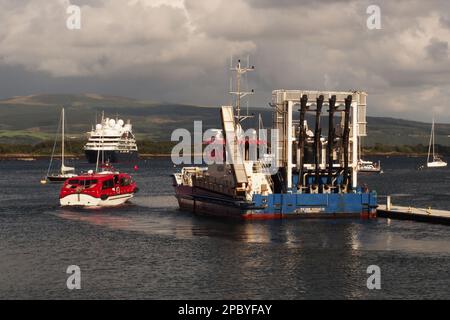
[415, 214]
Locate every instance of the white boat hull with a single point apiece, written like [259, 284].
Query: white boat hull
[438, 164]
[370, 170]
[84, 200]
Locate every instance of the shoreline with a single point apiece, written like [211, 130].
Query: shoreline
[24, 156]
[395, 154]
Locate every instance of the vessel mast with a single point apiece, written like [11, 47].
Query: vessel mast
[434, 141]
[431, 144]
[240, 71]
[62, 141]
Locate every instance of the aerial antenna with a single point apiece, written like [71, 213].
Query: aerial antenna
[240, 71]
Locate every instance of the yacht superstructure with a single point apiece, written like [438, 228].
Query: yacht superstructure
[112, 141]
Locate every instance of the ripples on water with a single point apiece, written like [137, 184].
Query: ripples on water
[149, 249]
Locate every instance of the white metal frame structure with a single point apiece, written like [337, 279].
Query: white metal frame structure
[284, 102]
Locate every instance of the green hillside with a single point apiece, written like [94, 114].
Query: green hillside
[33, 119]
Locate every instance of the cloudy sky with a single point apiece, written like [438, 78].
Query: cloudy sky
[179, 50]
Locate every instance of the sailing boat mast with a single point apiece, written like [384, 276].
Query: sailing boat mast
[434, 141]
[62, 141]
[431, 145]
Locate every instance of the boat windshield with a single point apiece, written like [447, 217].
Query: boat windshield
[125, 181]
[108, 184]
[86, 183]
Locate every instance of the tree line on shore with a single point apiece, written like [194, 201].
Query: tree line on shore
[75, 147]
[380, 148]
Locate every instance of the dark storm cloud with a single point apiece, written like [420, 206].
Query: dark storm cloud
[175, 50]
[291, 3]
[445, 21]
[437, 50]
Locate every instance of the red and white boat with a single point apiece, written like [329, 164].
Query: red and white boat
[102, 189]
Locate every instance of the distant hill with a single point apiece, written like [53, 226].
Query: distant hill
[35, 118]
[31, 119]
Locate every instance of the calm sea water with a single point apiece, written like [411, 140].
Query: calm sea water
[151, 250]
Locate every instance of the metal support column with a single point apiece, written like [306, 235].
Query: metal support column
[289, 146]
[355, 144]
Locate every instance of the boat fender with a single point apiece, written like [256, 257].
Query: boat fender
[104, 197]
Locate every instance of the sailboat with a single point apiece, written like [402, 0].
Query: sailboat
[65, 171]
[436, 161]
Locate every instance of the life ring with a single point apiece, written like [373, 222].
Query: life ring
[117, 189]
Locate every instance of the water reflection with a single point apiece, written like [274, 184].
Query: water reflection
[382, 234]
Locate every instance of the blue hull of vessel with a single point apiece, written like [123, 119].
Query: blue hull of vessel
[273, 206]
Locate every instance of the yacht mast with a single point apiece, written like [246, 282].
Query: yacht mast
[431, 145]
[434, 142]
[62, 142]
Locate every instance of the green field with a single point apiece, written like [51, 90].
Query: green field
[33, 119]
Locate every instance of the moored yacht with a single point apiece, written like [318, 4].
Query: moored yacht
[369, 166]
[433, 159]
[65, 171]
[112, 141]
